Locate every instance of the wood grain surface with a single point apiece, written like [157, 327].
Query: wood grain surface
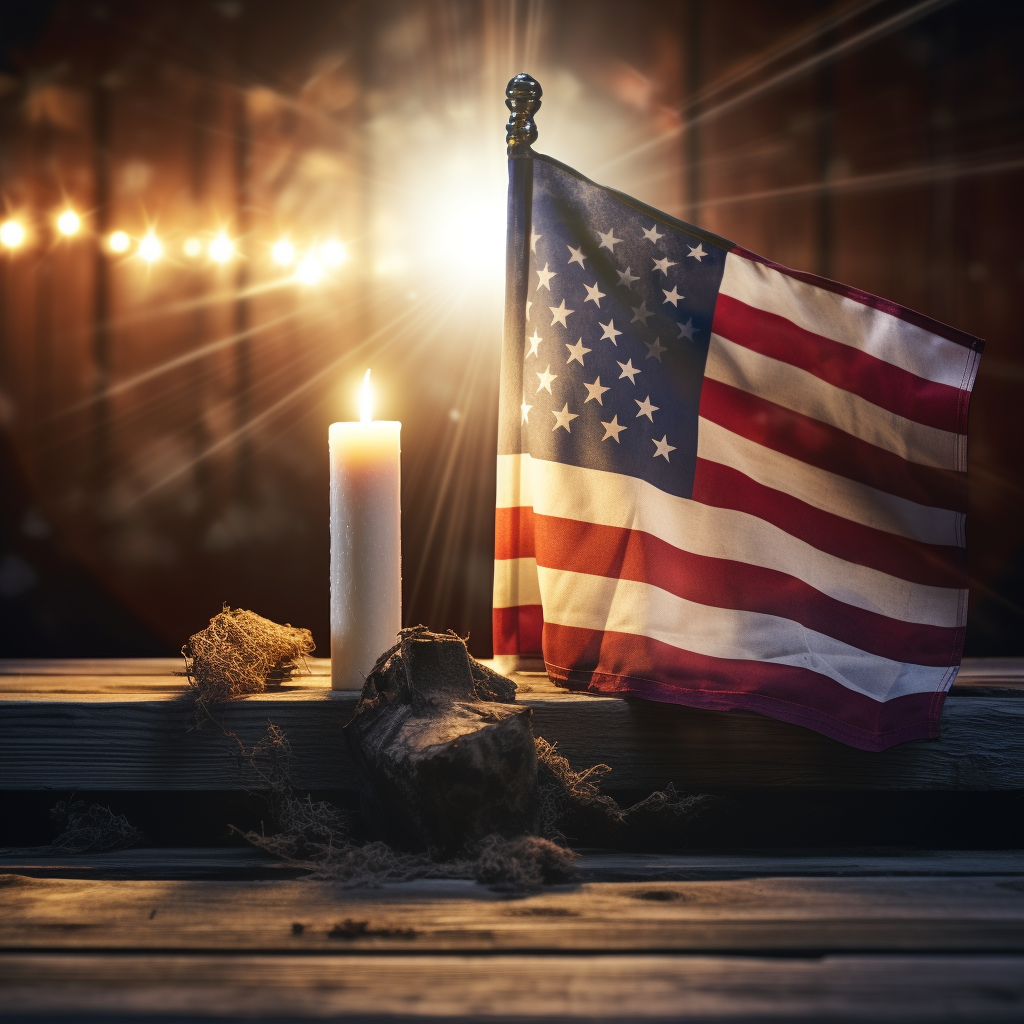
[515, 987]
[128, 728]
[768, 914]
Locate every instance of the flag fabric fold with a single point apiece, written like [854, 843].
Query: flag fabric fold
[724, 483]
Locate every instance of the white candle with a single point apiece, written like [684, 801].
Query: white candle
[366, 547]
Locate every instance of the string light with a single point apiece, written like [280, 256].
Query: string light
[309, 271]
[68, 223]
[150, 248]
[333, 253]
[12, 234]
[284, 253]
[221, 249]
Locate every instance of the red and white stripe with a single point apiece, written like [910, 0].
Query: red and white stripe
[818, 573]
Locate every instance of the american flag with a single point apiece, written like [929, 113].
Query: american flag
[724, 483]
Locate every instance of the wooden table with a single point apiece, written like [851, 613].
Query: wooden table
[229, 933]
[109, 725]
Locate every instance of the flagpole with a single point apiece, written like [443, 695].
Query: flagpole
[522, 97]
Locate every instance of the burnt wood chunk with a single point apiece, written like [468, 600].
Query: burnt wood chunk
[444, 755]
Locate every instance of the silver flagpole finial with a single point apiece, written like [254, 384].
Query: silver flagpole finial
[522, 97]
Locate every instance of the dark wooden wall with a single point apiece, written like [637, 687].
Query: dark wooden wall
[164, 427]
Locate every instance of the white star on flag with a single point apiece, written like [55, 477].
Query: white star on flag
[594, 391]
[698, 253]
[626, 278]
[545, 276]
[563, 418]
[594, 294]
[628, 370]
[559, 313]
[610, 333]
[612, 429]
[525, 410]
[608, 240]
[641, 313]
[661, 265]
[546, 378]
[576, 352]
[577, 255]
[686, 330]
[663, 447]
[673, 296]
[653, 233]
[534, 239]
[646, 409]
[535, 339]
[654, 349]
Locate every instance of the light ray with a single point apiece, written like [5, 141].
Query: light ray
[841, 49]
[906, 177]
[175, 364]
[388, 331]
[806, 34]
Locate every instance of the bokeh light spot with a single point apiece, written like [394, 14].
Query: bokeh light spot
[119, 242]
[12, 234]
[284, 253]
[68, 223]
[221, 249]
[150, 248]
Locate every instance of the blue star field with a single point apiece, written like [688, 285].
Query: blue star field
[615, 383]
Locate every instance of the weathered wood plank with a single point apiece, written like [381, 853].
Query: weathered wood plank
[131, 729]
[144, 743]
[819, 915]
[248, 862]
[539, 988]
[846, 988]
[974, 672]
[154, 863]
[102, 667]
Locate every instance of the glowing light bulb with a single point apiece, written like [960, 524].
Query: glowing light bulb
[68, 223]
[221, 249]
[119, 242]
[192, 247]
[284, 253]
[12, 234]
[365, 400]
[309, 271]
[150, 248]
[333, 253]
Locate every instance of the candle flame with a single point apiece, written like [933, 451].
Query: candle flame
[365, 401]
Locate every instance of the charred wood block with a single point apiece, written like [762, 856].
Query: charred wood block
[444, 755]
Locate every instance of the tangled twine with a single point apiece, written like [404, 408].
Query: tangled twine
[91, 828]
[239, 653]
